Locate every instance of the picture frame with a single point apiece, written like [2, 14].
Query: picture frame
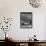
[25, 19]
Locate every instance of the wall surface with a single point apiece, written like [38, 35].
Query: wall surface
[12, 8]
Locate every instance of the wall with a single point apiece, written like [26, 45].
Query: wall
[12, 8]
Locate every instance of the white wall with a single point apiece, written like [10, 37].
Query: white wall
[12, 8]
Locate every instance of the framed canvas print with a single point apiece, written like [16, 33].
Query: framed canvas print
[25, 19]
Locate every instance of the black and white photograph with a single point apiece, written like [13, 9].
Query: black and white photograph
[25, 19]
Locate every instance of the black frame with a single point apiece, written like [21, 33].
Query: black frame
[25, 19]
